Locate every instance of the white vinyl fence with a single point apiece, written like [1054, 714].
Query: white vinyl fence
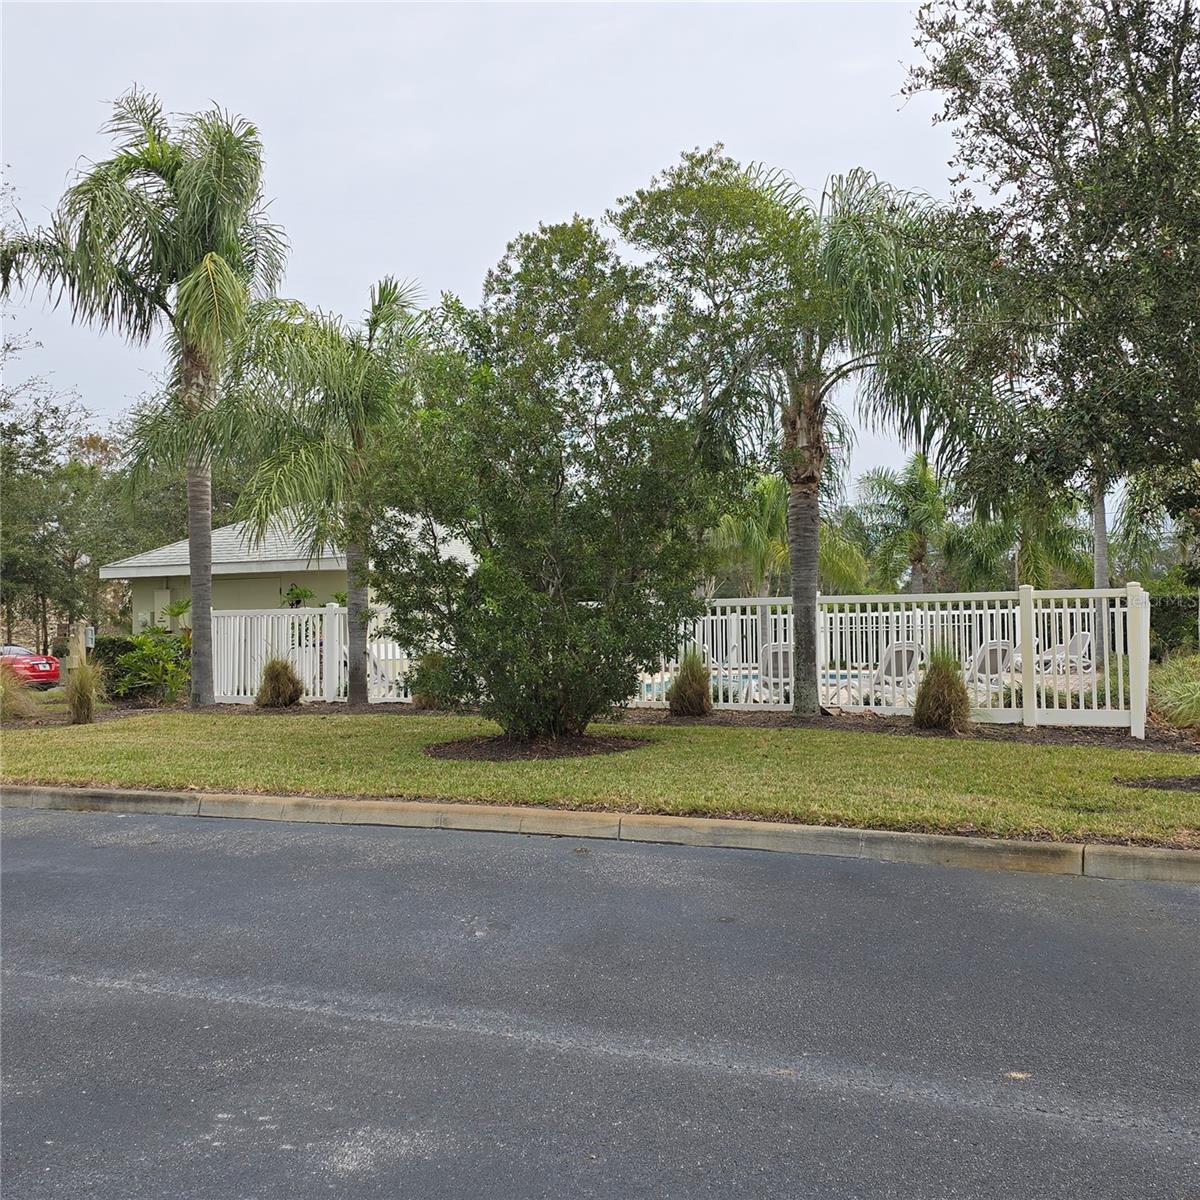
[1039, 657]
[313, 640]
[1078, 657]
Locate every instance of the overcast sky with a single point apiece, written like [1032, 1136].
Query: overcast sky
[418, 139]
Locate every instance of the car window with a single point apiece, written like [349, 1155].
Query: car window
[14, 650]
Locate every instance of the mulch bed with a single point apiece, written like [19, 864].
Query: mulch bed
[1170, 783]
[504, 749]
[1158, 737]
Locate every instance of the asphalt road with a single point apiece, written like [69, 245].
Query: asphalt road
[223, 1009]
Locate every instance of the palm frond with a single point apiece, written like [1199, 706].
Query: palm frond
[842, 567]
[211, 306]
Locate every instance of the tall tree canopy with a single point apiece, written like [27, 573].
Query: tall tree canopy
[317, 402]
[1079, 120]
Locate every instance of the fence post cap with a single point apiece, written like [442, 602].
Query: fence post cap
[1137, 594]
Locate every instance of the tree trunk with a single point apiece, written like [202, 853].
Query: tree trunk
[804, 532]
[199, 497]
[803, 463]
[1100, 569]
[357, 615]
[917, 583]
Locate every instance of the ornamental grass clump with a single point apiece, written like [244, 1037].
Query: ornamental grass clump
[83, 691]
[16, 704]
[280, 687]
[942, 700]
[1175, 691]
[690, 693]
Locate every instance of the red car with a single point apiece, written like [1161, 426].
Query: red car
[40, 669]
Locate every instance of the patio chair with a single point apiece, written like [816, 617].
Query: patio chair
[1075, 654]
[991, 670]
[775, 670]
[895, 675]
[992, 664]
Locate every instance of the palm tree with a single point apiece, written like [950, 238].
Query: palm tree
[905, 513]
[1033, 538]
[317, 401]
[170, 235]
[752, 545]
[865, 256]
[776, 300]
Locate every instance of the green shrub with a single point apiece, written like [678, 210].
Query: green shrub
[60, 648]
[1175, 691]
[175, 610]
[83, 691]
[280, 687]
[548, 446]
[16, 704]
[428, 683]
[157, 668]
[942, 700]
[690, 693]
[1173, 617]
[107, 652]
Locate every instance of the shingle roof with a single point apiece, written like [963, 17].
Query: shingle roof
[234, 552]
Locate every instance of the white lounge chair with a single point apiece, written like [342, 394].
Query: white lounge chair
[989, 672]
[1075, 654]
[992, 663]
[380, 682]
[895, 676]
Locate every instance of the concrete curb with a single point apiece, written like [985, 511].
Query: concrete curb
[1054, 858]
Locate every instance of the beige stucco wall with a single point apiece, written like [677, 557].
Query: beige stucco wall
[151, 595]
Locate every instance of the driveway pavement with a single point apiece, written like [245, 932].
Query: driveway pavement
[223, 1009]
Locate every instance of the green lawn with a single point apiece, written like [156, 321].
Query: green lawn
[52, 702]
[806, 775]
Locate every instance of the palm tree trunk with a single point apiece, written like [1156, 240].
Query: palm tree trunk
[199, 519]
[917, 584]
[1100, 567]
[357, 614]
[804, 531]
[804, 461]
